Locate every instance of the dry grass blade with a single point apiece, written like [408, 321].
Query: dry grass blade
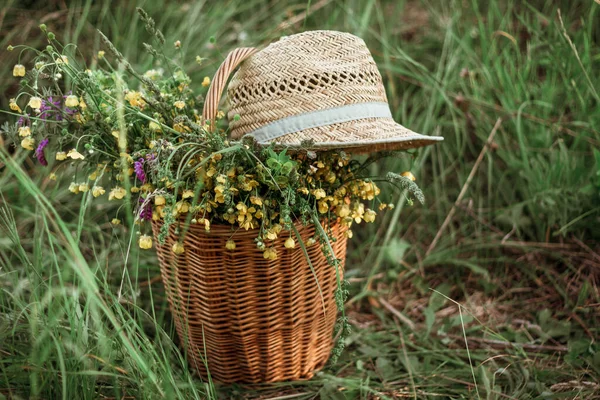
[465, 186]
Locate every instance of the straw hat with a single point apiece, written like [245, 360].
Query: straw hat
[319, 86]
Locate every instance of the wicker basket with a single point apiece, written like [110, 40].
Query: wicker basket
[246, 318]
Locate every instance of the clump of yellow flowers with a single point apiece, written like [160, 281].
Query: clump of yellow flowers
[168, 166]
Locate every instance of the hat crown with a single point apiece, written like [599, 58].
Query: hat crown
[306, 72]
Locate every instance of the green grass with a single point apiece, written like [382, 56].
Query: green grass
[505, 305]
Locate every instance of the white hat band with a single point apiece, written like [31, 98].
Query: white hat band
[314, 119]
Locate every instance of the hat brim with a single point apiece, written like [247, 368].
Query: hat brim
[367, 135]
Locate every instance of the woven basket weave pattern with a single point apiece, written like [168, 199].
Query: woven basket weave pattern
[259, 320]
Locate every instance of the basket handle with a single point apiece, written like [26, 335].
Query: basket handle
[219, 81]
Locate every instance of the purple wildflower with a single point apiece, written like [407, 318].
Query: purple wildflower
[138, 167]
[39, 152]
[50, 107]
[23, 120]
[146, 211]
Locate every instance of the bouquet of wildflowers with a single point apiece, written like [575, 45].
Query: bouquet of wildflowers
[140, 138]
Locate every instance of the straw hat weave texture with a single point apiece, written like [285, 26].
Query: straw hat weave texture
[313, 77]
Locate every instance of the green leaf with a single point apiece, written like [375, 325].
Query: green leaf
[385, 367]
[485, 379]
[273, 163]
[429, 319]
[396, 249]
[287, 168]
[544, 316]
[360, 365]
[281, 180]
[437, 300]
[578, 347]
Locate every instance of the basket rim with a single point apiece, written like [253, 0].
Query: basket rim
[221, 229]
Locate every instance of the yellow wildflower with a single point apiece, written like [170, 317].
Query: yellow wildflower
[310, 242]
[206, 223]
[369, 190]
[270, 254]
[14, 106]
[154, 127]
[62, 60]
[178, 248]
[75, 155]
[82, 104]
[98, 191]
[179, 104]
[61, 155]
[79, 118]
[101, 54]
[52, 176]
[290, 243]
[243, 209]
[134, 189]
[19, 70]
[135, 99]
[27, 143]
[248, 185]
[116, 193]
[271, 235]
[358, 212]
[349, 234]
[115, 221]
[230, 245]
[343, 211]
[181, 128]
[187, 194]
[219, 196]
[220, 114]
[323, 207]
[319, 193]
[182, 207]
[84, 187]
[303, 190]
[145, 242]
[330, 177]
[74, 187]
[35, 103]
[160, 201]
[71, 101]
[370, 215]
[206, 81]
[273, 232]
[24, 131]
[256, 200]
